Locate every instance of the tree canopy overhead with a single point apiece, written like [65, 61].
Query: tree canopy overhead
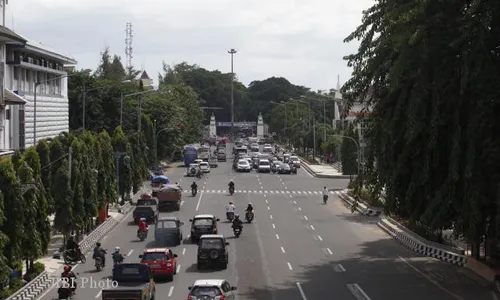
[431, 68]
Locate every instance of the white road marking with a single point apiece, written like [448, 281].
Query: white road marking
[104, 238]
[305, 217]
[98, 294]
[178, 269]
[271, 217]
[339, 268]
[301, 292]
[312, 227]
[277, 236]
[130, 252]
[289, 266]
[290, 196]
[300, 209]
[283, 250]
[268, 208]
[170, 291]
[358, 292]
[320, 238]
[294, 202]
[184, 251]
[199, 201]
[329, 251]
[274, 226]
[266, 201]
[430, 279]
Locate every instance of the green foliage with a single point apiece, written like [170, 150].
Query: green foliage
[433, 127]
[349, 152]
[4, 265]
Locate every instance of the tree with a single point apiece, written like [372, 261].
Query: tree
[106, 184]
[62, 198]
[4, 265]
[43, 150]
[349, 152]
[14, 211]
[122, 147]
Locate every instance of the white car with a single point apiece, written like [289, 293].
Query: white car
[212, 289]
[205, 167]
[198, 161]
[243, 166]
[267, 149]
[264, 166]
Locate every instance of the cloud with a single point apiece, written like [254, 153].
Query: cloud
[301, 40]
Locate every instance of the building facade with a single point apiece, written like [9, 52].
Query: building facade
[27, 67]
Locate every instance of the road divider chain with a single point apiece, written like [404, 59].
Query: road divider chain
[42, 282]
[360, 207]
[304, 164]
[420, 245]
[33, 289]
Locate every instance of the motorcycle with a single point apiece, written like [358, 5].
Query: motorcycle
[230, 216]
[98, 264]
[71, 256]
[194, 192]
[231, 190]
[249, 216]
[142, 235]
[237, 231]
[65, 293]
[325, 198]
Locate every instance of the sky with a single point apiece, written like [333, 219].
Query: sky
[301, 40]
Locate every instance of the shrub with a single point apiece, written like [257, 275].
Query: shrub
[367, 196]
[15, 285]
[38, 268]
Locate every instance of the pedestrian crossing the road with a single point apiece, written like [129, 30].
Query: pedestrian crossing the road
[261, 192]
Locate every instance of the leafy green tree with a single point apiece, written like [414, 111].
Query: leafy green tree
[106, 184]
[62, 198]
[4, 240]
[349, 152]
[14, 211]
[110, 67]
[43, 227]
[91, 164]
[43, 151]
[76, 185]
[31, 240]
[121, 145]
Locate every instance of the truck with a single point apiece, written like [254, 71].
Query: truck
[169, 197]
[204, 153]
[135, 281]
[149, 212]
[212, 161]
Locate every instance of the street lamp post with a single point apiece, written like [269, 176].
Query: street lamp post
[38, 83]
[232, 52]
[119, 155]
[139, 107]
[84, 98]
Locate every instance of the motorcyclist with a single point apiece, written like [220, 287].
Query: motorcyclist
[117, 256]
[230, 207]
[143, 225]
[68, 279]
[249, 208]
[194, 186]
[231, 184]
[325, 194]
[72, 247]
[99, 252]
[237, 223]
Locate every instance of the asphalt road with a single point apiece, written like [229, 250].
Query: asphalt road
[296, 248]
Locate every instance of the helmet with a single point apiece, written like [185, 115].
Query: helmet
[98, 244]
[143, 219]
[249, 203]
[236, 216]
[231, 180]
[117, 249]
[70, 238]
[67, 268]
[231, 202]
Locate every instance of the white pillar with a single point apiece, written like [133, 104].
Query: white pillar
[260, 126]
[212, 131]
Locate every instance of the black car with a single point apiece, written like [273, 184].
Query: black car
[149, 212]
[168, 229]
[212, 250]
[284, 169]
[203, 224]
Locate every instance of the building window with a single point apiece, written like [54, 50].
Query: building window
[22, 134]
[22, 81]
[16, 74]
[7, 114]
[57, 86]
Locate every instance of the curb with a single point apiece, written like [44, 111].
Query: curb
[415, 245]
[361, 208]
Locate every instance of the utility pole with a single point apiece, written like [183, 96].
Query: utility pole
[232, 52]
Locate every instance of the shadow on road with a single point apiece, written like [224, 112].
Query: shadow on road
[206, 269]
[358, 218]
[379, 271]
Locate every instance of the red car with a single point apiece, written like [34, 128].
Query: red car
[161, 261]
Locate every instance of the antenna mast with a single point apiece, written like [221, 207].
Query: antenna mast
[128, 47]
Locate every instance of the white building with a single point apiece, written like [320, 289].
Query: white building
[29, 66]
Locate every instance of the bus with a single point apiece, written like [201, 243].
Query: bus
[190, 154]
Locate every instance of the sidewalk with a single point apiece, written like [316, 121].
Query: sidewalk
[322, 170]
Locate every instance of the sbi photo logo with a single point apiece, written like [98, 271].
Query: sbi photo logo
[84, 283]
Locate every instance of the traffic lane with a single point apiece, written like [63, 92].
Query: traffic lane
[381, 262]
[305, 254]
[209, 204]
[304, 182]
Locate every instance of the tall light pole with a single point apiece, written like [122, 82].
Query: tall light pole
[38, 83]
[84, 98]
[232, 52]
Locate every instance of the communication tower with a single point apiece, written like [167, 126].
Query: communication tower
[128, 46]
